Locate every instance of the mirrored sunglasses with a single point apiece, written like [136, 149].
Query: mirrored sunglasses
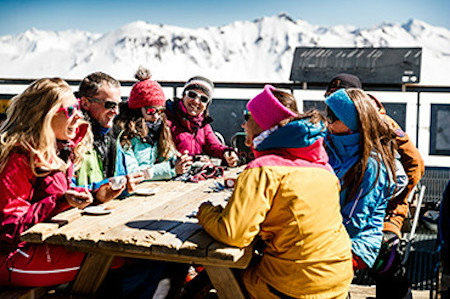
[193, 95]
[152, 110]
[107, 104]
[247, 115]
[69, 111]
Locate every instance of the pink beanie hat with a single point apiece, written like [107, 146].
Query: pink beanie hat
[267, 110]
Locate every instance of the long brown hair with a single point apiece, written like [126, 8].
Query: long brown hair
[376, 135]
[131, 122]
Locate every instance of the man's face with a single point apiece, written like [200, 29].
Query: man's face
[104, 106]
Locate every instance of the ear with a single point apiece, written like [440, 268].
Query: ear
[85, 104]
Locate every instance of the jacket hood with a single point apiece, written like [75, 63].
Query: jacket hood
[296, 134]
[299, 139]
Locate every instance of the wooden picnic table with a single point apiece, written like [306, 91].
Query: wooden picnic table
[159, 227]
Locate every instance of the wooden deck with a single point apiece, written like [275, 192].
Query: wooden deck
[365, 292]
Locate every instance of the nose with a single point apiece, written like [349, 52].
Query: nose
[116, 110]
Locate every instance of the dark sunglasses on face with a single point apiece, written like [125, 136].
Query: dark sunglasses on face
[107, 104]
[69, 111]
[152, 110]
[193, 95]
[246, 115]
[332, 87]
[331, 117]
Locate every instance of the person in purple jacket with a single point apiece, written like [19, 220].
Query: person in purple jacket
[190, 123]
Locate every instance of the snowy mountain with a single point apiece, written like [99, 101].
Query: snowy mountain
[260, 50]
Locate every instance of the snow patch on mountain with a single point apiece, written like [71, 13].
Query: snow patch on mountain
[259, 50]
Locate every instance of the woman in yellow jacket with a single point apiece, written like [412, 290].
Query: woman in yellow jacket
[289, 196]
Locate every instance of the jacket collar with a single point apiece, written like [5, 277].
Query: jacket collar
[299, 139]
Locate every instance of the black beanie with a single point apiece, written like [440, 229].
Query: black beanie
[344, 80]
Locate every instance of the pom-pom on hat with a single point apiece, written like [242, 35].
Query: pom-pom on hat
[201, 83]
[267, 110]
[146, 92]
[344, 108]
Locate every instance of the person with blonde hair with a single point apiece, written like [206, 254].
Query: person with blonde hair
[289, 197]
[41, 141]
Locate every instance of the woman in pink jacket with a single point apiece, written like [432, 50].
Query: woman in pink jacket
[190, 123]
[39, 144]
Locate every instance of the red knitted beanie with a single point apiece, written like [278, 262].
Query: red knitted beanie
[146, 93]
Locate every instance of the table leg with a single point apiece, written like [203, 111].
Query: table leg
[224, 282]
[92, 273]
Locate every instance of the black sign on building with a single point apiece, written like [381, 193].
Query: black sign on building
[371, 65]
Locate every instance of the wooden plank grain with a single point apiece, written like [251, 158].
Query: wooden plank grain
[224, 282]
[92, 273]
[88, 229]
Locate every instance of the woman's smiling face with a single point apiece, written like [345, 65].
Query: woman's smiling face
[192, 102]
[64, 125]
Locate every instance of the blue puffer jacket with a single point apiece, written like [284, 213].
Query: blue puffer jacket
[141, 155]
[363, 215]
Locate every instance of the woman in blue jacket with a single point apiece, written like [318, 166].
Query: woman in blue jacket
[361, 148]
[146, 137]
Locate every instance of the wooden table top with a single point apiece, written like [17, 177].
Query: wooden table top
[159, 226]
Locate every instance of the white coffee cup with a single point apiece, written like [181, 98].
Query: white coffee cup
[148, 173]
[117, 182]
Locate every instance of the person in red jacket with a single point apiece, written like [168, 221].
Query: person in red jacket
[190, 123]
[40, 142]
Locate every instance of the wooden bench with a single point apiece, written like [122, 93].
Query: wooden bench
[23, 293]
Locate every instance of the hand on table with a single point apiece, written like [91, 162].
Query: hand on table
[77, 199]
[106, 193]
[231, 157]
[134, 179]
[183, 163]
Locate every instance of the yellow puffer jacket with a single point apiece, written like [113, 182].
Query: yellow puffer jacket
[290, 197]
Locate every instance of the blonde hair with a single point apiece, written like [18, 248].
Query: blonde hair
[28, 126]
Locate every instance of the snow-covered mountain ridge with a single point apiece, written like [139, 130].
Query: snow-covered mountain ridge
[259, 50]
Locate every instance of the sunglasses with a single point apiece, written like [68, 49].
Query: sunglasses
[246, 115]
[70, 111]
[152, 111]
[193, 95]
[331, 117]
[107, 104]
[332, 87]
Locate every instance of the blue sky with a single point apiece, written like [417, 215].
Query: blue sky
[103, 16]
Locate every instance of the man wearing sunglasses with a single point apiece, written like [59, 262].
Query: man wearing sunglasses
[99, 96]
